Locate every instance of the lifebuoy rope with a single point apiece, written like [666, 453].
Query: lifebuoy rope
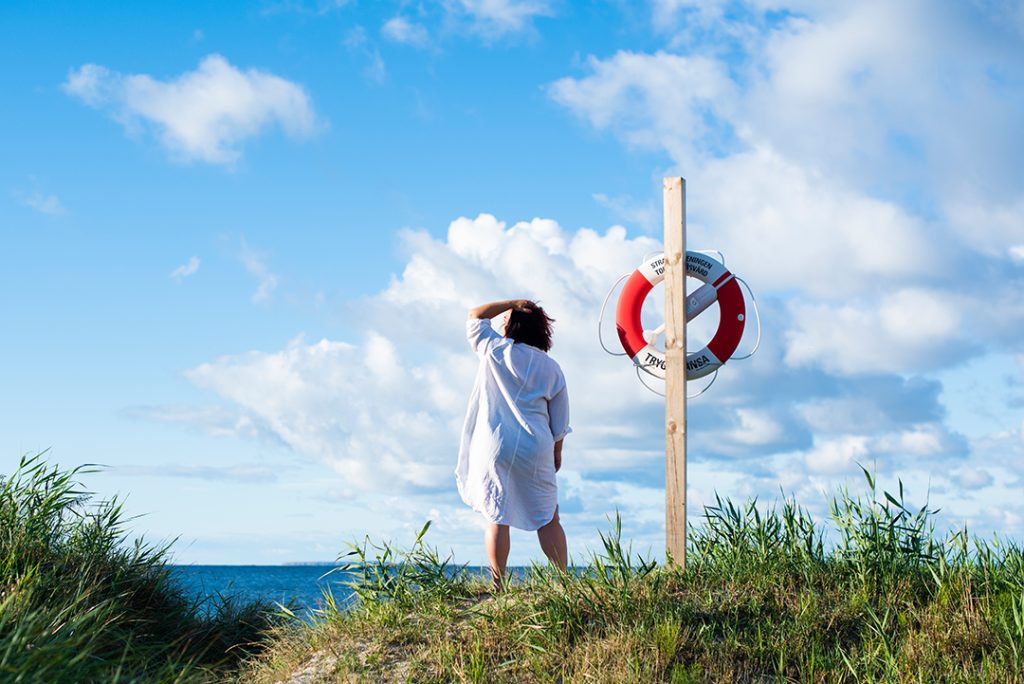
[703, 389]
[757, 313]
[600, 318]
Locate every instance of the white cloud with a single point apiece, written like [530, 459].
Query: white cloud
[359, 44]
[242, 472]
[989, 228]
[202, 115]
[756, 427]
[186, 269]
[1005, 519]
[877, 231]
[331, 399]
[401, 30]
[910, 329]
[652, 101]
[974, 478]
[644, 216]
[855, 88]
[917, 441]
[815, 162]
[851, 88]
[214, 421]
[376, 70]
[793, 228]
[44, 203]
[909, 451]
[498, 18]
[838, 456]
[310, 7]
[1004, 448]
[874, 231]
[90, 84]
[389, 408]
[663, 12]
[255, 264]
[350, 406]
[384, 411]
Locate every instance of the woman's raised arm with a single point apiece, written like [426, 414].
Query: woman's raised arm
[494, 308]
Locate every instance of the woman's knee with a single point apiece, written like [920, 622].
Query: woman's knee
[554, 520]
[497, 530]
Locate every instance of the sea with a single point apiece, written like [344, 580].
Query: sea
[301, 588]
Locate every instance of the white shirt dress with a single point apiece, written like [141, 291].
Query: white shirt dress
[517, 410]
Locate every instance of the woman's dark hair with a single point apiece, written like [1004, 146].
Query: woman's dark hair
[533, 328]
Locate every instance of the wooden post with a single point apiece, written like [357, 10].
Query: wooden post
[675, 369]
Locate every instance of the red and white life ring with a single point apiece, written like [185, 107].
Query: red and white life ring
[719, 284]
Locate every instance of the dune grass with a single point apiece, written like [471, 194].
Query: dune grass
[873, 594]
[80, 603]
[768, 596]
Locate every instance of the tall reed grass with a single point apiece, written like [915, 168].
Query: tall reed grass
[79, 602]
[873, 594]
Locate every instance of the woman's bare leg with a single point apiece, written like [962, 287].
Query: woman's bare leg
[552, 542]
[497, 543]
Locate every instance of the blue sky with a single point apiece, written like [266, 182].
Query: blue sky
[241, 239]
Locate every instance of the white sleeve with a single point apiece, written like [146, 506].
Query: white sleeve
[480, 333]
[558, 414]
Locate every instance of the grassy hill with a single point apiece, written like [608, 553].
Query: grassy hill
[764, 598]
[767, 596]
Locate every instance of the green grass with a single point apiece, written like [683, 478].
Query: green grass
[875, 595]
[80, 603]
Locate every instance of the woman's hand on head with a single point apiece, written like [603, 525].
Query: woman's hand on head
[524, 305]
[494, 308]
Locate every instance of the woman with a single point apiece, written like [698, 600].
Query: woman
[512, 439]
